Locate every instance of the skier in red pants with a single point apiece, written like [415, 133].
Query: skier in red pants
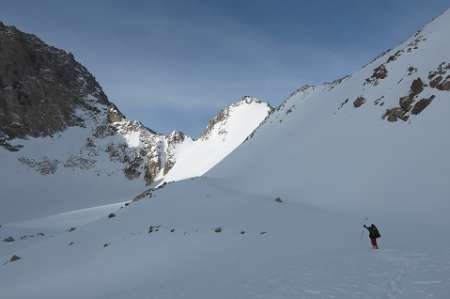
[374, 234]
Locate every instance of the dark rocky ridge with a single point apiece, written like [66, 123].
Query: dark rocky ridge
[40, 86]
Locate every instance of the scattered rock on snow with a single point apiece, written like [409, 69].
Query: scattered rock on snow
[14, 258]
[405, 103]
[44, 167]
[71, 229]
[411, 70]
[146, 193]
[359, 102]
[218, 230]
[153, 228]
[379, 73]
[342, 104]
[111, 215]
[421, 105]
[438, 78]
[278, 199]
[393, 114]
[416, 87]
[9, 239]
[379, 101]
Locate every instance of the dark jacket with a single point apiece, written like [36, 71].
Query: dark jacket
[373, 232]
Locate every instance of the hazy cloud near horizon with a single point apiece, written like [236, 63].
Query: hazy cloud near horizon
[174, 64]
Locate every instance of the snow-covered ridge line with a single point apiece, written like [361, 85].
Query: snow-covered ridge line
[384, 119]
[378, 69]
[226, 131]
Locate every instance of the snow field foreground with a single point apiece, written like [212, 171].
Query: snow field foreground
[265, 249]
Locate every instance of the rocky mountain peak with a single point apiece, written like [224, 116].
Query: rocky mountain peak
[41, 87]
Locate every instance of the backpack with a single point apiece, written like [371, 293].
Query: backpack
[376, 233]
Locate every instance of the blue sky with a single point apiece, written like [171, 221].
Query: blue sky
[175, 64]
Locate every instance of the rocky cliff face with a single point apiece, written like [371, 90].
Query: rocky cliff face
[41, 87]
[44, 91]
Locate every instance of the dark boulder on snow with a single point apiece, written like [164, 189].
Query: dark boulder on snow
[111, 215]
[439, 78]
[153, 228]
[218, 230]
[421, 105]
[278, 199]
[14, 258]
[9, 239]
[416, 87]
[359, 102]
[71, 229]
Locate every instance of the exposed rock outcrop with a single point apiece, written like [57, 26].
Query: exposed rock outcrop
[41, 87]
[358, 102]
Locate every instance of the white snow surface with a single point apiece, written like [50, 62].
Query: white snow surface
[334, 167]
[288, 250]
[195, 157]
[27, 194]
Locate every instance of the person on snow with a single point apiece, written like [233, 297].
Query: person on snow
[374, 234]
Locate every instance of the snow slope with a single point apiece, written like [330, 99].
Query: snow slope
[321, 149]
[286, 250]
[226, 132]
[69, 170]
[332, 163]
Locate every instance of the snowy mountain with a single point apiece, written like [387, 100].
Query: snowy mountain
[373, 142]
[224, 133]
[282, 215]
[61, 135]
